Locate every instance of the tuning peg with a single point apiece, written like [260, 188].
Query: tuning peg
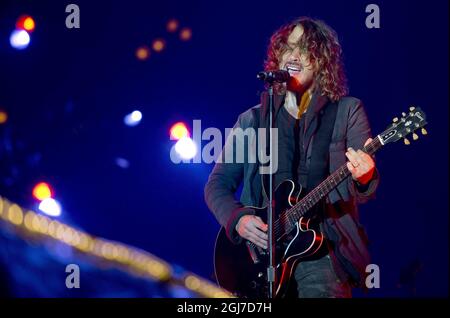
[395, 119]
[424, 132]
[406, 141]
[404, 114]
[411, 108]
[415, 137]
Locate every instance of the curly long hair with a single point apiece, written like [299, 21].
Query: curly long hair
[321, 44]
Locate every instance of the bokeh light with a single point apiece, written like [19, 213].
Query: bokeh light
[133, 118]
[178, 131]
[158, 45]
[186, 148]
[185, 34]
[50, 207]
[3, 117]
[42, 191]
[122, 163]
[25, 22]
[142, 53]
[172, 25]
[19, 39]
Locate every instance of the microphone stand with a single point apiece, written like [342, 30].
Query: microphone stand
[271, 77]
[270, 210]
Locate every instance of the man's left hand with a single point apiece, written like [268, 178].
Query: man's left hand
[361, 165]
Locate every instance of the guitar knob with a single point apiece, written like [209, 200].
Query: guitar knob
[395, 119]
[406, 141]
[415, 137]
[424, 132]
[412, 109]
[404, 114]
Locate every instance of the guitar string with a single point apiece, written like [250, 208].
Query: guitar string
[316, 194]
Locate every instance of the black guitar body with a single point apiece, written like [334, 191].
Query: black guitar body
[241, 268]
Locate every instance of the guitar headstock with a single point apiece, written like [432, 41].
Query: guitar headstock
[406, 125]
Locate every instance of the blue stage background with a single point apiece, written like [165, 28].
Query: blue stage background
[67, 93]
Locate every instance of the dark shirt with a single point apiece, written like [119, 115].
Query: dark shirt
[288, 146]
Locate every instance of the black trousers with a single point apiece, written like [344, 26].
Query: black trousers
[317, 279]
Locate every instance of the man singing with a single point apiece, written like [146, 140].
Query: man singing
[319, 129]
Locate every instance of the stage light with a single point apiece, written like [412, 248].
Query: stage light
[192, 282]
[86, 243]
[3, 117]
[158, 45]
[68, 235]
[50, 207]
[178, 131]
[52, 228]
[15, 214]
[43, 224]
[133, 119]
[42, 191]
[185, 34]
[19, 39]
[25, 22]
[186, 148]
[142, 53]
[172, 25]
[122, 163]
[28, 220]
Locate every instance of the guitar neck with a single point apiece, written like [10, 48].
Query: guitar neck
[326, 186]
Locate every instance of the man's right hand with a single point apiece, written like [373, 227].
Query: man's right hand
[252, 228]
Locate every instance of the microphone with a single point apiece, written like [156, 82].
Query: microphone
[279, 76]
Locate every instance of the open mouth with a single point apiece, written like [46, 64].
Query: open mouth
[293, 69]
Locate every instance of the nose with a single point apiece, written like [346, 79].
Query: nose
[295, 55]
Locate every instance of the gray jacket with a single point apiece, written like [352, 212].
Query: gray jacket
[341, 226]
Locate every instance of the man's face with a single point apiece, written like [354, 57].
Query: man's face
[297, 63]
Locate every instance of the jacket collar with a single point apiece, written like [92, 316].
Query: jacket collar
[317, 103]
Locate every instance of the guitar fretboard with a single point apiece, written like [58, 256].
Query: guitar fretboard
[288, 219]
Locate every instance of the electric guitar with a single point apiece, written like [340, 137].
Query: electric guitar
[241, 268]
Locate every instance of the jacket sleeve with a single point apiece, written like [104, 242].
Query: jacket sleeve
[221, 186]
[358, 131]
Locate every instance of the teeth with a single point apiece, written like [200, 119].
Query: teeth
[289, 68]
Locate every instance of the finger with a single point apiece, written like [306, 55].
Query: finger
[357, 158]
[363, 155]
[261, 243]
[366, 157]
[351, 152]
[260, 224]
[355, 173]
[351, 168]
[368, 141]
[361, 159]
[351, 155]
[365, 160]
[251, 228]
[260, 234]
